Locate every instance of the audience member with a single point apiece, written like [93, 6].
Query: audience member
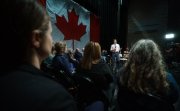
[24, 87]
[98, 72]
[61, 61]
[144, 84]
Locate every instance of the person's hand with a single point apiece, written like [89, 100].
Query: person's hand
[114, 50]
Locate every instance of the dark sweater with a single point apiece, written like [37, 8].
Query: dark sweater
[29, 89]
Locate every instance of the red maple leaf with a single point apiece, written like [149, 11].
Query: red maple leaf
[70, 28]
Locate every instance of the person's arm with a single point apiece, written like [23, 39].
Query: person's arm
[112, 48]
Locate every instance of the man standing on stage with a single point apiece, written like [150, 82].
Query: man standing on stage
[115, 49]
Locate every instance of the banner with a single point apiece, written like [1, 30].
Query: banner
[72, 23]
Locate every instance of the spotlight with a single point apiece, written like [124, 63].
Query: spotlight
[169, 36]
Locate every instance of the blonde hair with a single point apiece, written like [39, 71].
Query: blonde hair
[60, 47]
[92, 52]
[144, 71]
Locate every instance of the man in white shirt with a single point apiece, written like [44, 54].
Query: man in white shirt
[115, 49]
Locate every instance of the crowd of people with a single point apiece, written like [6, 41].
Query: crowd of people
[35, 77]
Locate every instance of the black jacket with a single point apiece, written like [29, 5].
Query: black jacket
[29, 89]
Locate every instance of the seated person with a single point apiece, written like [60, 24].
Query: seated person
[61, 60]
[24, 86]
[144, 84]
[98, 72]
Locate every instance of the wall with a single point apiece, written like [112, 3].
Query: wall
[147, 19]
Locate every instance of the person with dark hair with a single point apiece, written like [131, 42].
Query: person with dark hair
[24, 87]
[99, 74]
[144, 84]
[115, 49]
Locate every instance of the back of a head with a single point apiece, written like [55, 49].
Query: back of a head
[20, 18]
[60, 47]
[145, 69]
[92, 52]
[145, 51]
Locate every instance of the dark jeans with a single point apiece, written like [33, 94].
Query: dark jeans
[115, 61]
[115, 57]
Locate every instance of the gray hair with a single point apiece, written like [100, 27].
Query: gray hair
[145, 70]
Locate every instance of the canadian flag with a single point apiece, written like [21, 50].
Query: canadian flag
[72, 23]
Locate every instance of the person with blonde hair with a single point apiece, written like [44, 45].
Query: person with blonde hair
[61, 61]
[144, 78]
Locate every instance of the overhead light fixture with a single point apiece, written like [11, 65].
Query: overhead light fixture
[169, 36]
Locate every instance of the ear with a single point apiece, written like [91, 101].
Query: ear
[36, 38]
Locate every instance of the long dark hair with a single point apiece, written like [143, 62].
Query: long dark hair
[20, 18]
[92, 52]
[144, 72]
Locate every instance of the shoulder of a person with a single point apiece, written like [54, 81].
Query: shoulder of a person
[38, 83]
[104, 67]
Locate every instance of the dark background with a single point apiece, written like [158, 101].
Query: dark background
[135, 19]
